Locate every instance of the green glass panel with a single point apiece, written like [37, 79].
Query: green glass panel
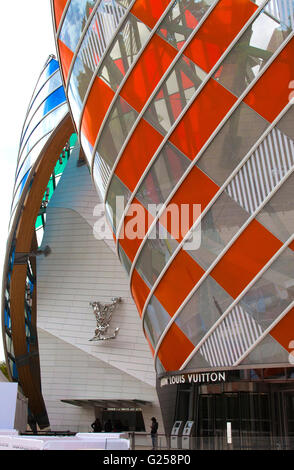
[39, 222]
[73, 139]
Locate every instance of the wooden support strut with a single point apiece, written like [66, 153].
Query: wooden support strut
[28, 365]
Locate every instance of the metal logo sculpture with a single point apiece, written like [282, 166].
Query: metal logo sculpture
[103, 314]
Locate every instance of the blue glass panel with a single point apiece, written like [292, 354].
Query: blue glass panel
[7, 319]
[53, 100]
[52, 66]
[14, 372]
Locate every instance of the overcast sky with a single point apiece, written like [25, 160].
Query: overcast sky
[26, 40]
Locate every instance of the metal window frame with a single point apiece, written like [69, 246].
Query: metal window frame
[264, 334]
[215, 262]
[41, 120]
[14, 191]
[149, 101]
[152, 33]
[218, 194]
[99, 65]
[165, 139]
[238, 299]
[64, 13]
[58, 53]
[33, 97]
[207, 272]
[79, 44]
[36, 110]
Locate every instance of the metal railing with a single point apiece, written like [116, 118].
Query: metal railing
[142, 441]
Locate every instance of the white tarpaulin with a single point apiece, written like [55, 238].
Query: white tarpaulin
[8, 398]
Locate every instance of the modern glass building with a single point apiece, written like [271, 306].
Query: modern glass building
[183, 110]
[36, 177]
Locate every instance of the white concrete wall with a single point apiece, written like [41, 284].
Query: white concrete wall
[81, 269]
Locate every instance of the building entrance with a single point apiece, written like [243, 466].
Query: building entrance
[249, 415]
[260, 413]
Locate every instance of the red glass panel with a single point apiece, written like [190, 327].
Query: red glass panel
[202, 118]
[149, 69]
[271, 93]
[246, 257]
[96, 107]
[149, 11]
[222, 25]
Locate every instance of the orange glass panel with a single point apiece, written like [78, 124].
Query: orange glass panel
[96, 107]
[201, 119]
[140, 291]
[174, 349]
[149, 11]
[196, 189]
[178, 281]
[137, 215]
[283, 331]
[59, 6]
[149, 69]
[140, 149]
[217, 32]
[271, 93]
[246, 257]
[66, 56]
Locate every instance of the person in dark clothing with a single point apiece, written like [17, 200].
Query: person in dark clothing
[96, 426]
[108, 426]
[154, 428]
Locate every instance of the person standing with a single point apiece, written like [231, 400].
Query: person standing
[154, 428]
[108, 426]
[96, 426]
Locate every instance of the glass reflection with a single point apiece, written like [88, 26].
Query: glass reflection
[98, 35]
[124, 259]
[218, 227]
[232, 143]
[278, 214]
[130, 39]
[50, 86]
[45, 126]
[163, 175]
[31, 158]
[273, 292]
[173, 96]
[49, 69]
[155, 320]
[50, 103]
[256, 46]
[204, 308]
[117, 197]
[155, 254]
[74, 22]
[115, 131]
[182, 19]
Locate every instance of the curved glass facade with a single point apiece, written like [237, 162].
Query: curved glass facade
[47, 110]
[184, 112]
[175, 121]
[173, 115]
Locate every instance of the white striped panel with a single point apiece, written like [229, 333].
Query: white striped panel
[100, 32]
[103, 169]
[231, 339]
[282, 10]
[263, 171]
